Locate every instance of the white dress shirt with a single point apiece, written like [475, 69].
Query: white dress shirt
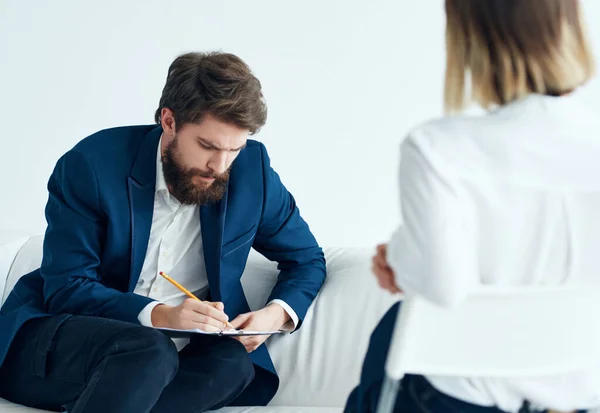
[511, 198]
[175, 247]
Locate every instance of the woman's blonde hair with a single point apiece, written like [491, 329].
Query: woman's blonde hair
[512, 48]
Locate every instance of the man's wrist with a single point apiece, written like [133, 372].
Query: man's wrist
[159, 315]
[280, 316]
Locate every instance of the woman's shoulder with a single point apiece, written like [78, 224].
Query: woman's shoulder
[465, 143]
[453, 130]
[534, 115]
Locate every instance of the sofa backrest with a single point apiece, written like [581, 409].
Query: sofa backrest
[319, 364]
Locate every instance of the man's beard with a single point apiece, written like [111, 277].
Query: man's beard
[180, 180]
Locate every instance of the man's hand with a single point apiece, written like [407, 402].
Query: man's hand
[271, 318]
[381, 269]
[189, 315]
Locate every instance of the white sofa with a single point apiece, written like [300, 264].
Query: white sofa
[318, 365]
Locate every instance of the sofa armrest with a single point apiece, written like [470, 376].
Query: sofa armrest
[27, 257]
[11, 243]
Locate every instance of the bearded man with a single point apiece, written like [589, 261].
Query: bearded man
[189, 196]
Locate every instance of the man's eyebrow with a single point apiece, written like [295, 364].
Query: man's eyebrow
[212, 145]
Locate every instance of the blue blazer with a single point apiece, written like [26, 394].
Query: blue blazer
[99, 214]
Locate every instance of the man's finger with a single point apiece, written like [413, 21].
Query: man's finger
[240, 320]
[251, 341]
[211, 311]
[246, 342]
[218, 305]
[208, 309]
[208, 328]
[204, 319]
[243, 339]
[251, 344]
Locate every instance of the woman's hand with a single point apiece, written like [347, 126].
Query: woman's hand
[383, 272]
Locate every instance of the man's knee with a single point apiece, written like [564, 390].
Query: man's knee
[238, 361]
[155, 350]
[159, 350]
[163, 348]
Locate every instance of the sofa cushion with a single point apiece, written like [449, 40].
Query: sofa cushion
[8, 407]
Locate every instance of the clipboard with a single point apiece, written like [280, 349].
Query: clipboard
[174, 333]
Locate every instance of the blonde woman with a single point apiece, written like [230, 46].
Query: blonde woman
[511, 197]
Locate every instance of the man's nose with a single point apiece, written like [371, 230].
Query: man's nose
[218, 162]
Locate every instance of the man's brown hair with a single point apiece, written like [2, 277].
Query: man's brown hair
[215, 83]
[508, 49]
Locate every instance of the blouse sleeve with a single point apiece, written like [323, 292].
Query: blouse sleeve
[434, 252]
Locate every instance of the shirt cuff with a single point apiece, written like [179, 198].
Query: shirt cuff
[293, 323]
[145, 316]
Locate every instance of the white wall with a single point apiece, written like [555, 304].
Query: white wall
[344, 81]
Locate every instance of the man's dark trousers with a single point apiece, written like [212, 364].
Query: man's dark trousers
[89, 364]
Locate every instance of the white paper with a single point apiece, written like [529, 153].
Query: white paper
[232, 332]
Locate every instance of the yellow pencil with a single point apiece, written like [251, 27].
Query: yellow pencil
[184, 290]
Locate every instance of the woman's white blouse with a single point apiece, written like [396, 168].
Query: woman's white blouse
[508, 198]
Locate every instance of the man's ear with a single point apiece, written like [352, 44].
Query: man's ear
[167, 121]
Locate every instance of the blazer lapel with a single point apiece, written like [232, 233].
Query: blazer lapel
[212, 220]
[141, 186]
